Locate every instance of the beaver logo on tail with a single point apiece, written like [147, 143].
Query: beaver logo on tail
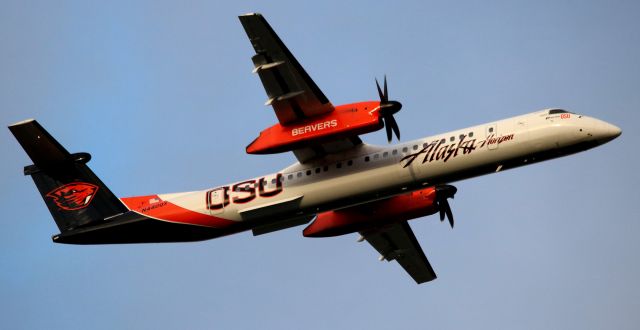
[73, 196]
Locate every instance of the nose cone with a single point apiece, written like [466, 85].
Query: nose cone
[607, 132]
[614, 131]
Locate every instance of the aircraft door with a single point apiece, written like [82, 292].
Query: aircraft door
[217, 199]
[491, 136]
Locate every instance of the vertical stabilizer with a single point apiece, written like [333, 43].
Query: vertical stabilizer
[75, 196]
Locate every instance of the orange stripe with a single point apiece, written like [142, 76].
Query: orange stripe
[154, 207]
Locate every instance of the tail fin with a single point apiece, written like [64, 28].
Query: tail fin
[74, 195]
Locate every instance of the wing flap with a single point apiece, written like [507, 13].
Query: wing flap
[397, 242]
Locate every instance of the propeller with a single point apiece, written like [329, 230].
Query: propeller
[443, 192]
[387, 110]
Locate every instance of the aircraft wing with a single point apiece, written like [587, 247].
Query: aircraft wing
[293, 95]
[397, 242]
[291, 92]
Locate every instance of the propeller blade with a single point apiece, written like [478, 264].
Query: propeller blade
[388, 127]
[387, 109]
[449, 213]
[443, 193]
[386, 94]
[382, 96]
[394, 125]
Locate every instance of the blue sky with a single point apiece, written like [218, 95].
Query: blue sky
[161, 93]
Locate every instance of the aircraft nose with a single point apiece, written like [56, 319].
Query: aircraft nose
[614, 131]
[607, 132]
[611, 131]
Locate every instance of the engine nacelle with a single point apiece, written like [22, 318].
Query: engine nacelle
[346, 120]
[358, 218]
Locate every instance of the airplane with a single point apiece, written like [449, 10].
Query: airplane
[339, 185]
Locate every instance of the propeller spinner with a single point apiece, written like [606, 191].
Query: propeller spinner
[387, 110]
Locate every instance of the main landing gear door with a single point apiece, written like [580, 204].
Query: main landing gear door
[492, 136]
[217, 199]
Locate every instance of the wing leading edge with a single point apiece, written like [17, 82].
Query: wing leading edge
[397, 242]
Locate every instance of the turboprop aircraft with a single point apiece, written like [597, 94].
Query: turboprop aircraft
[339, 185]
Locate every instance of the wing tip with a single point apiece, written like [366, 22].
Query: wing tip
[422, 281]
[22, 122]
[251, 14]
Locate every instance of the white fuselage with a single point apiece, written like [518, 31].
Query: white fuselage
[367, 173]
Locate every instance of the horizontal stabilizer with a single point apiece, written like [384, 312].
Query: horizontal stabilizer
[40, 146]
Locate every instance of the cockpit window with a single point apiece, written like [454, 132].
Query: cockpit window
[555, 111]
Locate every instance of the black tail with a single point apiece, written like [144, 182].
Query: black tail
[73, 193]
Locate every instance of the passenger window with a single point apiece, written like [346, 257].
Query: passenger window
[325, 168]
[394, 152]
[350, 162]
[308, 172]
[299, 174]
[339, 165]
[452, 138]
[461, 136]
[470, 134]
[376, 156]
[273, 181]
[385, 154]
[443, 141]
[282, 179]
[290, 177]
[318, 170]
[366, 158]
[490, 129]
[415, 147]
[405, 149]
